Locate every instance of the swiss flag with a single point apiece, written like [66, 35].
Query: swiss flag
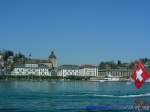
[140, 75]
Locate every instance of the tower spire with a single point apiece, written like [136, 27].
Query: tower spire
[52, 60]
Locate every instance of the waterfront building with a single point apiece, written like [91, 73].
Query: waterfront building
[53, 72]
[31, 69]
[88, 70]
[68, 70]
[119, 71]
[51, 62]
[75, 70]
[147, 66]
[10, 59]
[110, 71]
[39, 61]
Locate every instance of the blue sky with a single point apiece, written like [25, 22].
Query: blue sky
[79, 31]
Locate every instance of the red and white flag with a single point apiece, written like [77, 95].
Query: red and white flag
[140, 75]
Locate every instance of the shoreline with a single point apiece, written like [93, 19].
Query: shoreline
[40, 78]
[52, 78]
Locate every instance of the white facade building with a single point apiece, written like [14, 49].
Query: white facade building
[75, 70]
[88, 70]
[31, 69]
[68, 70]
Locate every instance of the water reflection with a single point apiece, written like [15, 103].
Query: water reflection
[141, 105]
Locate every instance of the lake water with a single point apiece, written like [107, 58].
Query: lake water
[72, 96]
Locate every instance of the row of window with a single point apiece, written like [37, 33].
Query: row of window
[115, 73]
[31, 70]
[28, 73]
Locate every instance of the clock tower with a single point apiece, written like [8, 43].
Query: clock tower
[52, 60]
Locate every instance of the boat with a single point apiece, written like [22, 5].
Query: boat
[101, 80]
[97, 79]
[110, 78]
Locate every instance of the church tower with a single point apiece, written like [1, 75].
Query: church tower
[52, 60]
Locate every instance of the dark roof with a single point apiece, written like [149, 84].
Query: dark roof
[19, 66]
[36, 61]
[69, 67]
[88, 66]
[52, 55]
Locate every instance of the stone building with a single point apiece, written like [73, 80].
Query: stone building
[52, 60]
[117, 71]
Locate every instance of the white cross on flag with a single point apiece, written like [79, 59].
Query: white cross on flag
[140, 75]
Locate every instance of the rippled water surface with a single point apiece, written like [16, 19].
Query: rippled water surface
[72, 96]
